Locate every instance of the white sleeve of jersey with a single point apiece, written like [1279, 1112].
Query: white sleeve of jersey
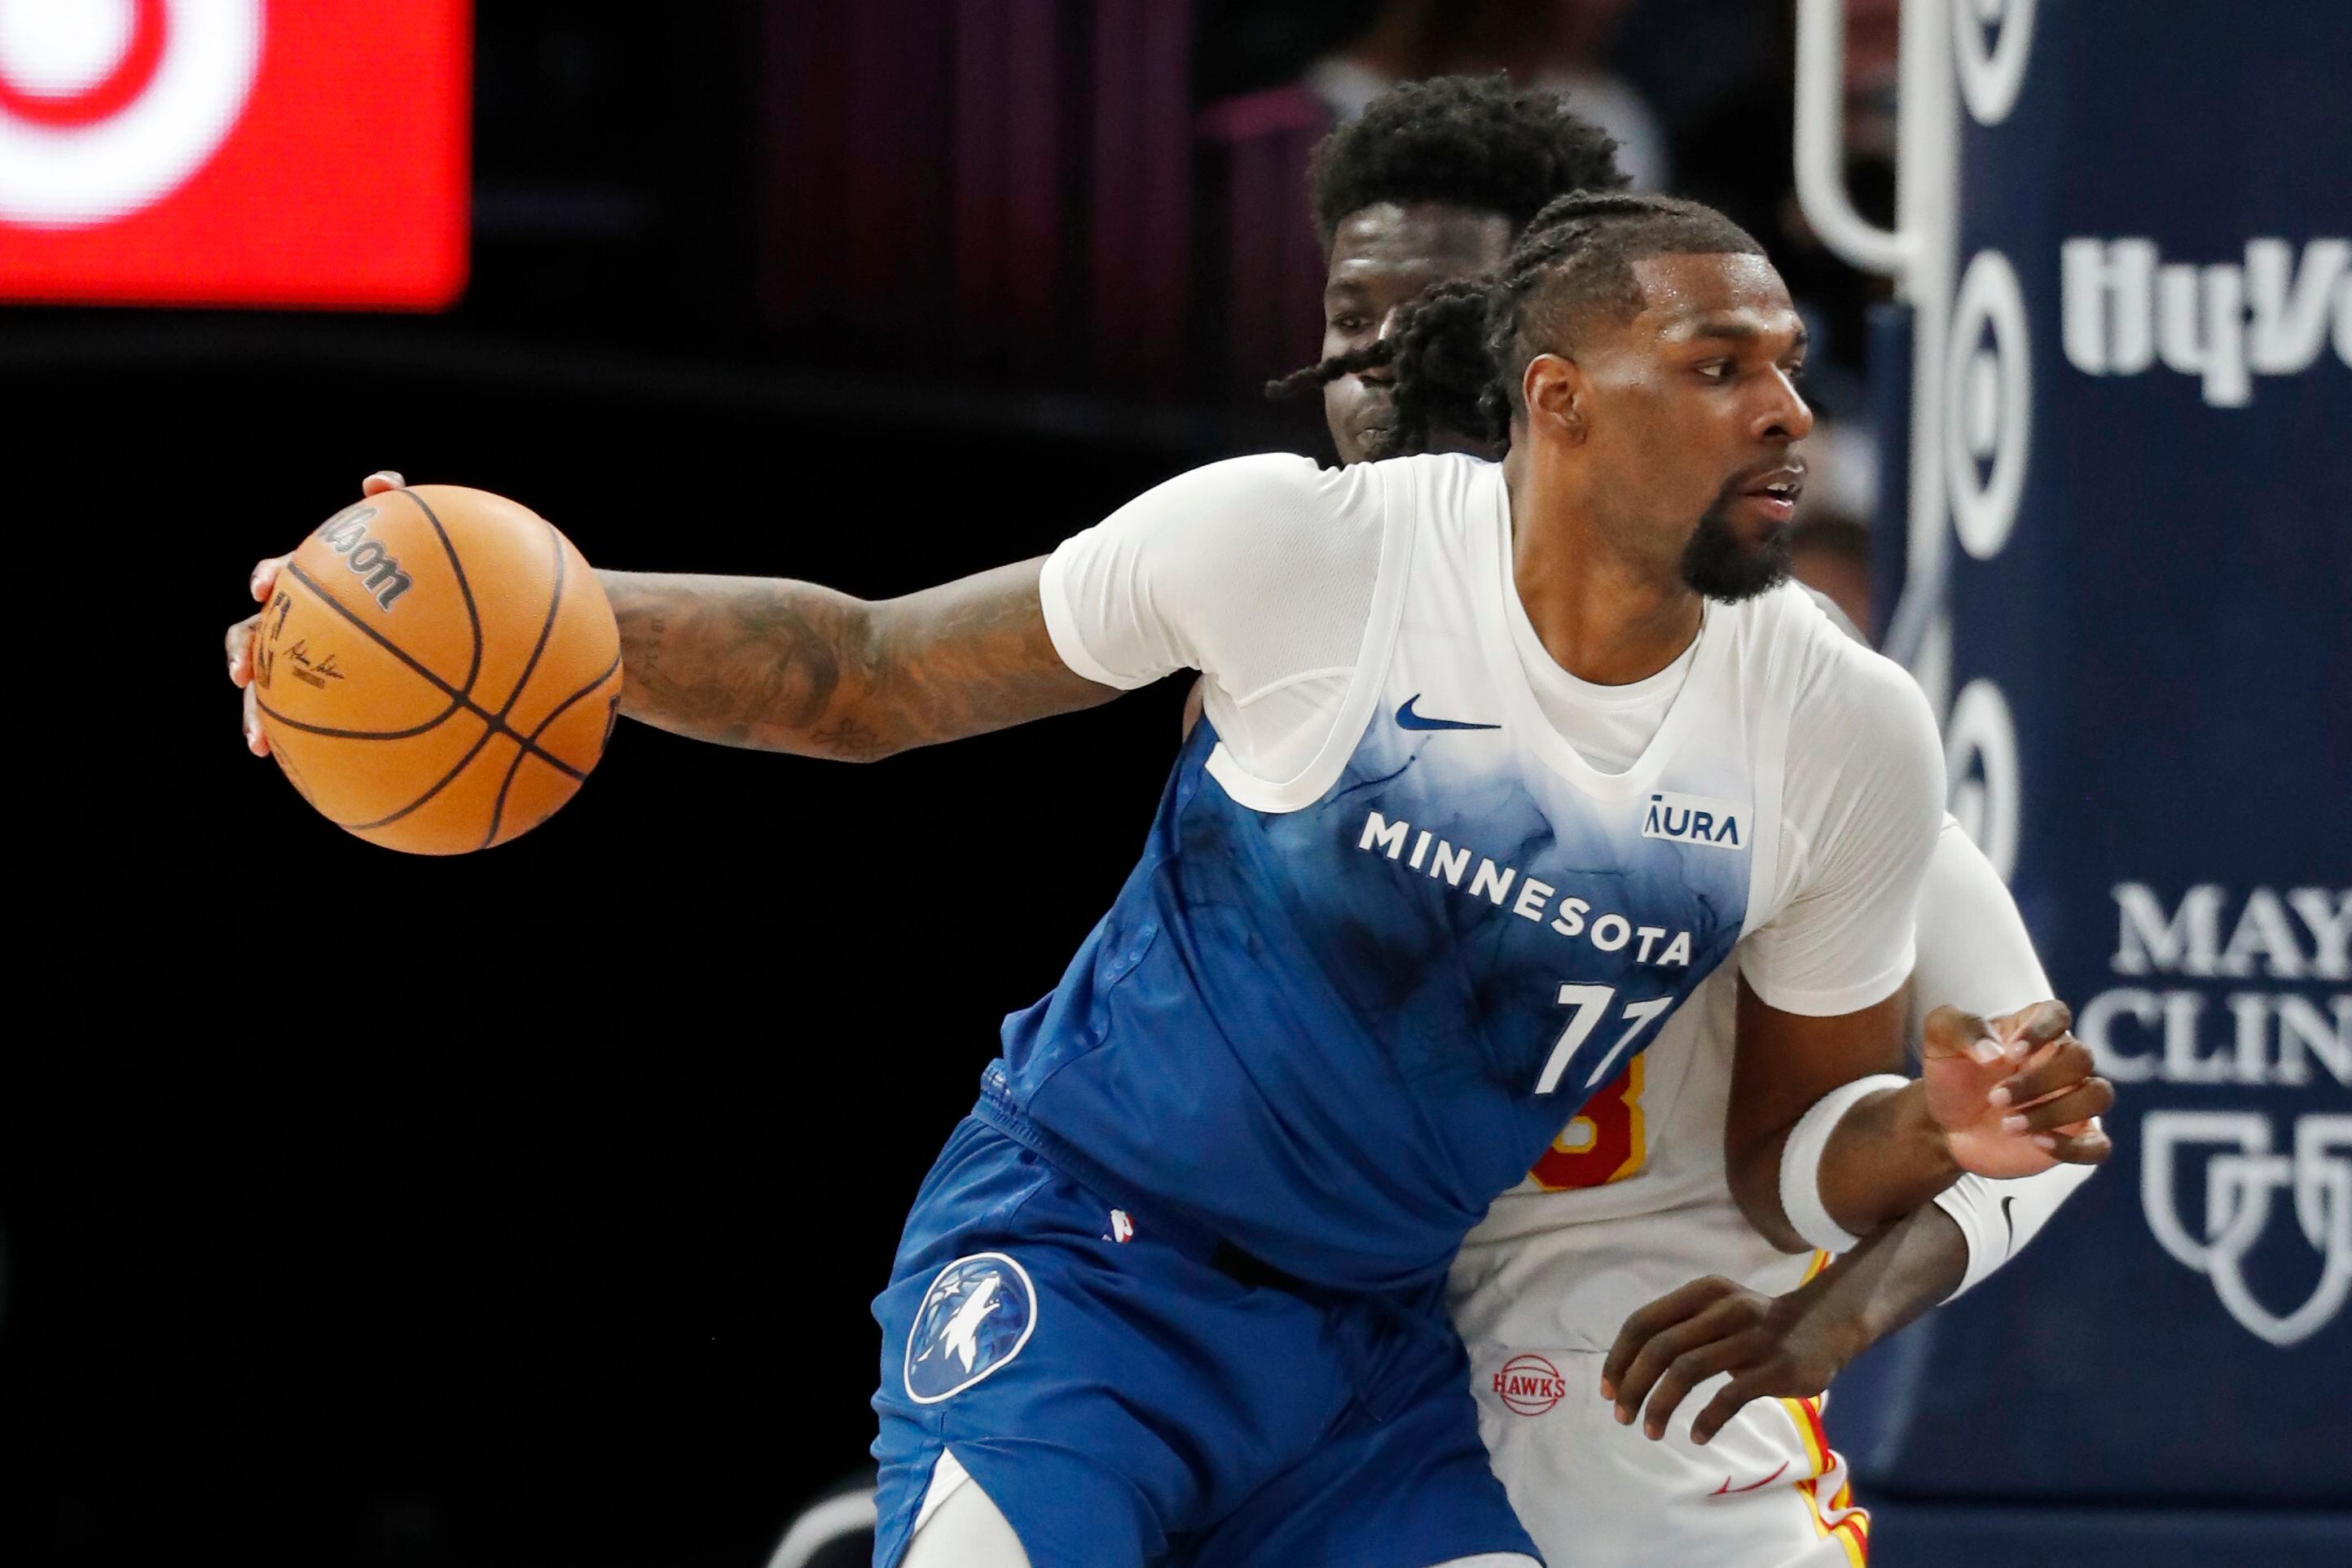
[1974, 950]
[1863, 795]
[1257, 571]
[1974, 953]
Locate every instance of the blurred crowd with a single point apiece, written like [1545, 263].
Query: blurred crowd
[1697, 95]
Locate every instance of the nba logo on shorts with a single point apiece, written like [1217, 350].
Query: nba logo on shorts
[974, 1320]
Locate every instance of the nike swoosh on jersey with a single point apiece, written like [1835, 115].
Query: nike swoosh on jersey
[1409, 719]
[1727, 1489]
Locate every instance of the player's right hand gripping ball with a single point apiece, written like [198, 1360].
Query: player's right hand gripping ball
[437, 669]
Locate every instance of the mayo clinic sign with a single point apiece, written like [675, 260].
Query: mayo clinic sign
[2240, 992]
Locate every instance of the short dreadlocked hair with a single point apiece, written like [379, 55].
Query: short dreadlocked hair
[1462, 349]
[1472, 141]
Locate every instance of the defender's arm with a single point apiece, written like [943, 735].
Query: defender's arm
[781, 665]
[1884, 1155]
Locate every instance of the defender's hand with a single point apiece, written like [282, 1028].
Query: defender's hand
[2016, 1095]
[1771, 1345]
[239, 641]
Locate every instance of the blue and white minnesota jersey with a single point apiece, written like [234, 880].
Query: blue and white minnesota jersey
[1383, 943]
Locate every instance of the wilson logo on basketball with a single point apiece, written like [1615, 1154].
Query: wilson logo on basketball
[346, 534]
[1531, 1384]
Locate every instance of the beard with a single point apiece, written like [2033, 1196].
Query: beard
[1716, 564]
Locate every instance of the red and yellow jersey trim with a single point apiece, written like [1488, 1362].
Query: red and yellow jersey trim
[1828, 1491]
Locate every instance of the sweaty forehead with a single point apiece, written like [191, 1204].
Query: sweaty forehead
[1436, 237]
[1698, 296]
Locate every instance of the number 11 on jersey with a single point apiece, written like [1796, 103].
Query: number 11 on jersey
[1590, 1003]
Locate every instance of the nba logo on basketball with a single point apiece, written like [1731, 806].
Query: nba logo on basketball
[1531, 1384]
[234, 151]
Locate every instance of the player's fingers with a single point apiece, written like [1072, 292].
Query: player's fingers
[265, 577]
[2079, 1104]
[1726, 1317]
[1744, 1387]
[2057, 1065]
[2037, 1024]
[1694, 1367]
[2081, 1144]
[239, 647]
[383, 479]
[257, 740]
[1948, 1031]
[1646, 1323]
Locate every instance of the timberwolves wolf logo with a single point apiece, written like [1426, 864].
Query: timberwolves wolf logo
[2242, 1176]
[974, 1319]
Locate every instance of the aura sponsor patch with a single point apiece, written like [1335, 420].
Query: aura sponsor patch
[1695, 820]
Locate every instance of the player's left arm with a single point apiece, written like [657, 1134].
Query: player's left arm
[1818, 1036]
[1973, 948]
[1825, 1139]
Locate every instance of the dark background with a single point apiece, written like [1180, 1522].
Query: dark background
[520, 1207]
[523, 1208]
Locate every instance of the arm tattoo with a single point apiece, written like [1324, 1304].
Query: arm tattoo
[790, 666]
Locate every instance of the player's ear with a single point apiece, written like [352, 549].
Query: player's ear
[1555, 395]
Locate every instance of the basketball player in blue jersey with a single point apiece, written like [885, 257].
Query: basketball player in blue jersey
[1174, 1291]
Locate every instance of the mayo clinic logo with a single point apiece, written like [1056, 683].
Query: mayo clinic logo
[108, 105]
[2227, 989]
[2243, 1175]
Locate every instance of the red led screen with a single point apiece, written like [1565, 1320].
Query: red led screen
[258, 152]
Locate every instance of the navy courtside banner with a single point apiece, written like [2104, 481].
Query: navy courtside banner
[2143, 656]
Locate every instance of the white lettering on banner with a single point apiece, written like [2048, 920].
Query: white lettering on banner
[2121, 309]
[2187, 940]
[2235, 1038]
[2173, 1037]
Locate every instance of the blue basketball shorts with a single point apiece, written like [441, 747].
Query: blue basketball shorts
[1126, 1395]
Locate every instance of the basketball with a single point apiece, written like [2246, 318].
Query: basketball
[437, 669]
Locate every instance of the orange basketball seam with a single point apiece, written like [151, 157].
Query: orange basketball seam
[546, 627]
[546, 624]
[498, 806]
[464, 589]
[442, 783]
[497, 722]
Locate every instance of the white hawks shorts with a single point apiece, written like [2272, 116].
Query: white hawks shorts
[1768, 1492]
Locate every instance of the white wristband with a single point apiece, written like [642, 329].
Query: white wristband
[1801, 1161]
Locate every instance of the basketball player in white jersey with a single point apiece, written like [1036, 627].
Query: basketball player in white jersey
[1390, 924]
[1433, 182]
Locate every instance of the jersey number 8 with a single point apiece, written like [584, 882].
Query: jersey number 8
[1603, 1141]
